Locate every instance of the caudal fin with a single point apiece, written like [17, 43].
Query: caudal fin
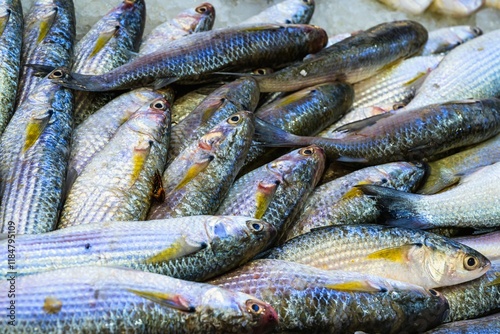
[269, 135]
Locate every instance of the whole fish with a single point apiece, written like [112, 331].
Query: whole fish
[352, 59]
[275, 192]
[456, 8]
[287, 11]
[192, 248]
[486, 244]
[338, 202]
[109, 43]
[91, 136]
[34, 151]
[410, 135]
[445, 39]
[474, 299]
[413, 256]
[105, 299]
[187, 22]
[475, 203]
[448, 171]
[311, 300]
[11, 33]
[205, 52]
[49, 33]
[484, 325]
[414, 7]
[119, 182]
[197, 181]
[242, 94]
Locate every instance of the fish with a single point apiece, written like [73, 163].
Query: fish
[34, 150]
[456, 8]
[374, 48]
[189, 21]
[486, 325]
[445, 39]
[448, 171]
[287, 11]
[11, 33]
[48, 39]
[339, 202]
[276, 191]
[206, 52]
[197, 180]
[410, 135]
[486, 244]
[191, 248]
[474, 203]
[90, 299]
[413, 7]
[311, 300]
[118, 183]
[186, 103]
[110, 42]
[412, 256]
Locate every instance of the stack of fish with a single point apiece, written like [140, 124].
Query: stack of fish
[146, 185]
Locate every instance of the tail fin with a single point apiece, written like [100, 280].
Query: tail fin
[269, 135]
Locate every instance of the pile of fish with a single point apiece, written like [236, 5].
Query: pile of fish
[455, 8]
[246, 179]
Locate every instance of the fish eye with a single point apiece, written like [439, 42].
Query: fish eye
[433, 292]
[255, 225]
[254, 307]
[159, 105]
[57, 74]
[262, 71]
[306, 151]
[478, 31]
[201, 9]
[235, 119]
[471, 263]
[398, 106]
[287, 21]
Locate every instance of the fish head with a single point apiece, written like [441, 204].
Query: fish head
[240, 312]
[152, 120]
[404, 176]
[197, 19]
[448, 262]
[297, 11]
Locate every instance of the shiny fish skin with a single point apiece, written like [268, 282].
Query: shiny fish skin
[109, 44]
[486, 244]
[456, 8]
[11, 12]
[287, 11]
[412, 256]
[241, 94]
[56, 47]
[117, 184]
[197, 181]
[198, 247]
[304, 304]
[111, 300]
[485, 325]
[187, 22]
[375, 48]
[95, 132]
[188, 102]
[449, 170]
[205, 52]
[338, 203]
[479, 77]
[34, 150]
[414, 7]
[446, 39]
[276, 191]
[474, 299]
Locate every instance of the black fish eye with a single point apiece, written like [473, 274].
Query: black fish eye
[254, 307]
[434, 292]
[471, 263]
[234, 119]
[57, 74]
[201, 9]
[159, 105]
[306, 151]
[287, 21]
[398, 106]
[257, 227]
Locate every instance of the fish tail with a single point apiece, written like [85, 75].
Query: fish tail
[269, 135]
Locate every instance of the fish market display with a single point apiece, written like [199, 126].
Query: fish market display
[287, 11]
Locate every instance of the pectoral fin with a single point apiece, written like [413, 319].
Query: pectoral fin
[195, 169]
[169, 300]
[45, 24]
[263, 197]
[180, 247]
[3, 21]
[139, 157]
[359, 286]
[35, 128]
[398, 254]
[103, 39]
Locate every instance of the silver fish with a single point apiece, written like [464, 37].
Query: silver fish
[446, 39]
[287, 11]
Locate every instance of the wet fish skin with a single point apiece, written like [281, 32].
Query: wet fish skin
[287, 11]
[448, 171]
[276, 191]
[187, 22]
[118, 183]
[473, 203]
[186, 103]
[11, 13]
[192, 248]
[486, 244]
[110, 43]
[408, 6]
[96, 299]
[456, 8]
[486, 325]
[376, 48]
[306, 299]
[445, 39]
[408, 255]
[248, 46]
[338, 202]
[197, 181]
[34, 150]
[55, 49]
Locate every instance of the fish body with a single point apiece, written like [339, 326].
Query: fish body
[187, 22]
[287, 11]
[352, 59]
[413, 256]
[484, 325]
[311, 300]
[338, 202]
[197, 180]
[110, 300]
[191, 248]
[11, 33]
[486, 244]
[456, 8]
[205, 52]
[445, 39]
[118, 183]
[414, 7]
